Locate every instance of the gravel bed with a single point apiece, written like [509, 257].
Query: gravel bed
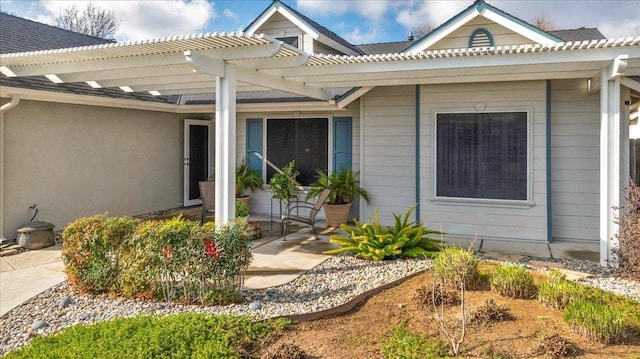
[332, 283]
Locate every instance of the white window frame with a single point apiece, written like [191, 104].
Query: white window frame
[484, 201]
[294, 117]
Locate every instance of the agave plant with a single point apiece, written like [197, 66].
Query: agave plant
[373, 241]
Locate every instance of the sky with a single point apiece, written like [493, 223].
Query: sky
[358, 21]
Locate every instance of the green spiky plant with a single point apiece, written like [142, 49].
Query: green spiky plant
[344, 186]
[405, 239]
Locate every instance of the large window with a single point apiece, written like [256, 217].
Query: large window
[482, 155]
[304, 140]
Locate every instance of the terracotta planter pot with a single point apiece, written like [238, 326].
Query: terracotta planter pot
[244, 200]
[337, 214]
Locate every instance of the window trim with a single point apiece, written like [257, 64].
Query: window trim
[299, 36]
[294, 117]
[484, 202]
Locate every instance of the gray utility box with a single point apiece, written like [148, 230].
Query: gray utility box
[36, 235]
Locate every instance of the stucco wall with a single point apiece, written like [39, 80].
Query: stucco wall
[74, 161]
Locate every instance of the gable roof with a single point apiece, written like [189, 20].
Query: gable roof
[305, 23]
[21, 35]
[385, 47]
[581, 34]
[480, 8]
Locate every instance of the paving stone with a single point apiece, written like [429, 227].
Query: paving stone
[504, 256]
[575, 275]
[545, 265]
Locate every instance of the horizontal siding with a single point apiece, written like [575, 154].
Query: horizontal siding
[500, 34]
[575, 160]
[389, 150]
[486, 220]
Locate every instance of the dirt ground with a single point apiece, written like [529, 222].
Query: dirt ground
[361, 332]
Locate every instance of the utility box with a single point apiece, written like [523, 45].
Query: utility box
[36, 235]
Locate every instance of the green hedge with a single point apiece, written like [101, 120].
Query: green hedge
[174, 259]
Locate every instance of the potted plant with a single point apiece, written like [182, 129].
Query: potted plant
[246, 178]
[284, 184]
[345, 189]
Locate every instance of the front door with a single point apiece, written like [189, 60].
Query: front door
[197, 155]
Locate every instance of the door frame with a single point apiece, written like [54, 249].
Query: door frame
[186, 158]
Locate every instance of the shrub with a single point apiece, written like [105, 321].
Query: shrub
[177, 336]
[376, 242]
[453, 265]
[490, 312]
[426, 297]
[554, 346]
[512, 280]
[406, 345]
[285, 351]
[628, 248]
[91, 251]
[557, 292]
[595, 320]
[173, 259]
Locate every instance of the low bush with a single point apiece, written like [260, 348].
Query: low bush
[490, 312]
[454, 265]
[406, 239]
[628, 249]
[172, 259]
[555, 347]
[557, 292]
[406, 345]
[178, 336]
[92, 250]
[427, 297]
[513, 280]
[595, 320]
[285, 351]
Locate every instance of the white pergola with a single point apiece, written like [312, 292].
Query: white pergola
[229, 63]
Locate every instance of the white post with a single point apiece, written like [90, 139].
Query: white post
[604, 159]
[225, 153]
[610, 165]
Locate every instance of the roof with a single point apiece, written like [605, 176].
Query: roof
[321, 29]
[20, 35]
[580, 34]
[480, 8]
[385, 47]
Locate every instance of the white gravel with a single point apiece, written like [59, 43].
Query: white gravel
[334, 282]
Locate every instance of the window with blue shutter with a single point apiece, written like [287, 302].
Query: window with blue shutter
[254, 144]
[341, 143]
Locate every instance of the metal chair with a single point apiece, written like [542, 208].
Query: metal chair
[208, 197]
[310, 220]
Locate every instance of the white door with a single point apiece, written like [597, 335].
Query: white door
[197, 158]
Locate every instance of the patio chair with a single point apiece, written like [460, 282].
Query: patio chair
[310, 220]
[208, 196]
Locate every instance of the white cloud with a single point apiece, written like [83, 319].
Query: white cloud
[361, 36]
[147, 19]
[433, 12]
[370, 9]
[231, 15]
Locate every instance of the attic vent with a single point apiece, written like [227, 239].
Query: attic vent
[480, 38]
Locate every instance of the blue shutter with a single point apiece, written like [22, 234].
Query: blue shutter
[254, 144]
[341, 143]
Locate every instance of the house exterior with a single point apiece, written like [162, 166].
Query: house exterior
[494, 128]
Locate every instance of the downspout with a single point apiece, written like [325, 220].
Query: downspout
[15, 99]
[417, 156]
[548, 137]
